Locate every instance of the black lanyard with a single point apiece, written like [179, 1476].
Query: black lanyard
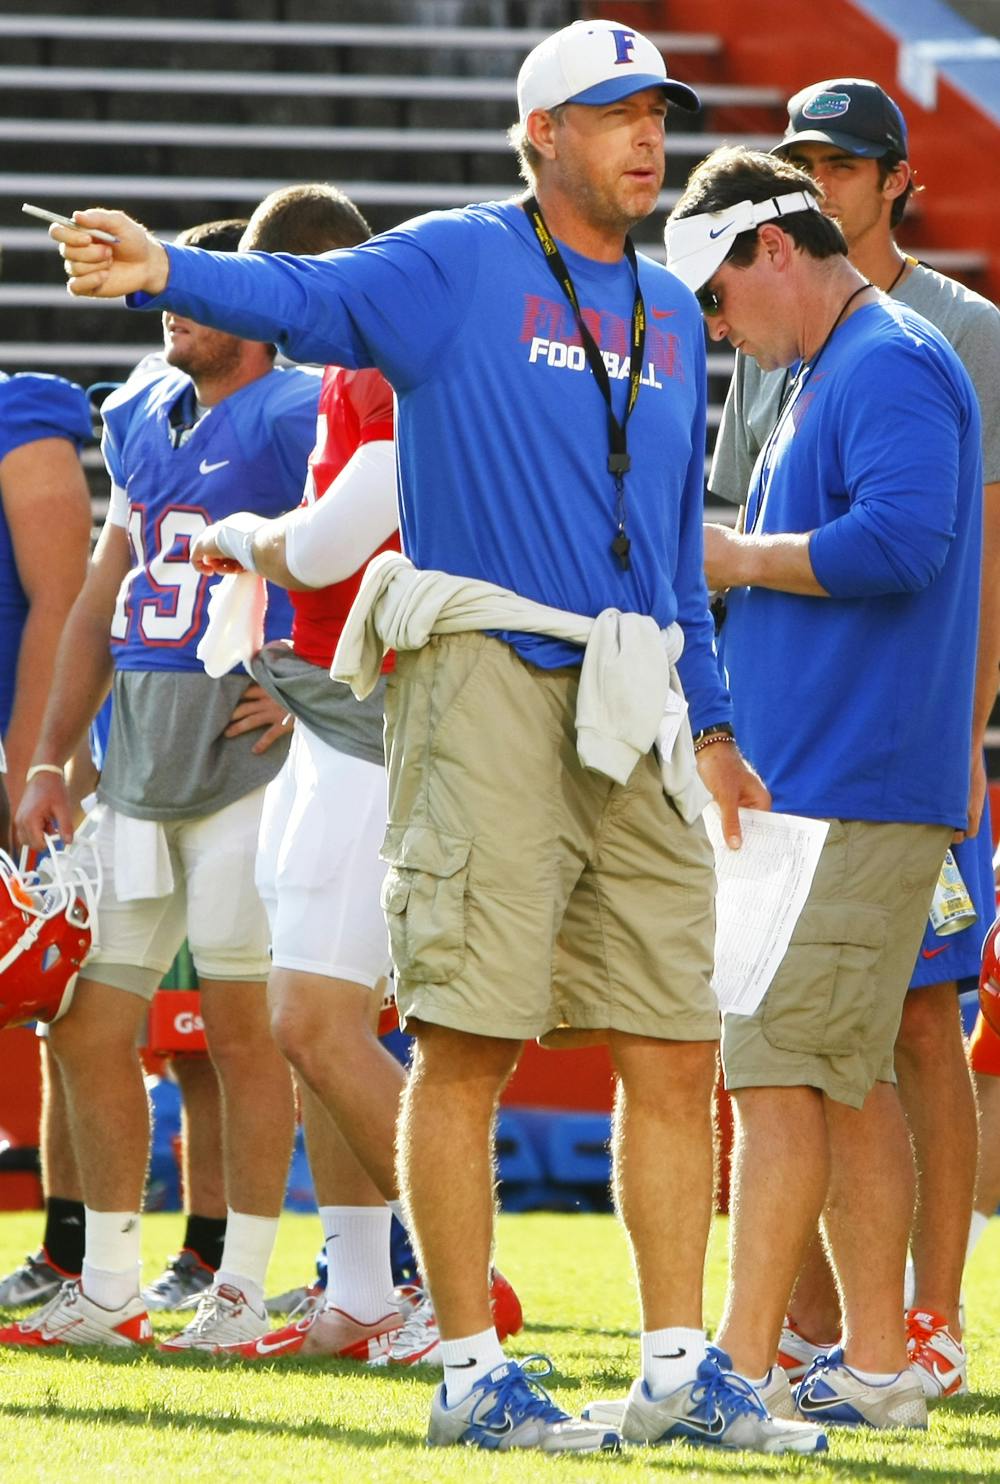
[618, 458]
[789, 396]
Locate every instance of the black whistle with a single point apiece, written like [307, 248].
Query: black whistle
[620, 548]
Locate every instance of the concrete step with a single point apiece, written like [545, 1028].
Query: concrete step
[210, 137]
[198, 34]
[213, 82]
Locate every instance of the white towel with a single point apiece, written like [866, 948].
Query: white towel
[235, 631]
[630, 693]
[142, 859]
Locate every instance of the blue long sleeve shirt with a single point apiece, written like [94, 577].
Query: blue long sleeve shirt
[502, 433]
[859, 705]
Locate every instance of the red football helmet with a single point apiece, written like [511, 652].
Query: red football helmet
[48, 926]
[989, 978]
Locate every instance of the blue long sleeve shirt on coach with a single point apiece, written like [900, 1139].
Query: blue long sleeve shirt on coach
[859, 705]
[502, 431]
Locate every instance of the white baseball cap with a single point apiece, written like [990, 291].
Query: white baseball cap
[595, 62]
[698, 245]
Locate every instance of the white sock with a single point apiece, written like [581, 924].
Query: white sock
[980, 1221]
[357, 1260]
[757, 1381]
[468, 1361]
[246, 1254]
[670, 1357]
[110, 1290]
[875, 1378]
[111, 1266]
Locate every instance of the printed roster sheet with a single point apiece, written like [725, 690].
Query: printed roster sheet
[762, 888]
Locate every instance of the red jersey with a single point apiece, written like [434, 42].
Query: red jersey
[355, 407]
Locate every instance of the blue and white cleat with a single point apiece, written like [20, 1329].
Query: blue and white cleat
[510, 1408]
[831, 1393]
[718, 1409]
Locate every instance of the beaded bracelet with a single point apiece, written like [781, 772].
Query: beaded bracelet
[720, 732]
[715, 737]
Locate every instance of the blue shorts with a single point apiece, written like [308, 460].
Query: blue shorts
[956, 957]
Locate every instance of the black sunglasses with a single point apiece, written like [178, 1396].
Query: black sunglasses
[708, 302]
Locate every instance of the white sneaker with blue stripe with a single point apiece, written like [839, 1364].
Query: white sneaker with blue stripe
[775, 1393]
[510, 1408]
[831, 1393]
[718, 1409]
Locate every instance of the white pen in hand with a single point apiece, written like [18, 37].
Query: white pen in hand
[66, 221]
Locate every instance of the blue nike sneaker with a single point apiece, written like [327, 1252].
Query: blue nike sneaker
[832, 1393]
[510, 1408]
[718, 1409]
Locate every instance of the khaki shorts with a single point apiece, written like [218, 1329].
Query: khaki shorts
[214, 905]
[523, 891]
[830, 1017]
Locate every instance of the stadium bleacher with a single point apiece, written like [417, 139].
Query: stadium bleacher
[181, 119]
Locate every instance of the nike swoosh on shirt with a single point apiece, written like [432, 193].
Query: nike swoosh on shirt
[933, 952]
[206, 468]
[661, 313]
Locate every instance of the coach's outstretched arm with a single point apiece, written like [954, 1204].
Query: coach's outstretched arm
[135, 264]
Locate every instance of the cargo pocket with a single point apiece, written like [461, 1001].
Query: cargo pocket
[822, 1000]
[423, 898]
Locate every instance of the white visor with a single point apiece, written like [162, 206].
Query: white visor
[697, 245]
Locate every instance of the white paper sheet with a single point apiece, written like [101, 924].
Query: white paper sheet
[763, 887]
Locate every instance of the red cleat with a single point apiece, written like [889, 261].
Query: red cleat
[71, 1318]
[328, 1332]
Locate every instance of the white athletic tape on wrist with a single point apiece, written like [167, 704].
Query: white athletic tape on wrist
[234, 538]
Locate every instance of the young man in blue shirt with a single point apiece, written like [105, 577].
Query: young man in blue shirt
[850, 645]
[851, 137]
[210, 425]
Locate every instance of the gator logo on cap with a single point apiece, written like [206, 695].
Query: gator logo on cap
[826, 106]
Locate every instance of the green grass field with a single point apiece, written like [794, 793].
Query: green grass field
[80, 1416]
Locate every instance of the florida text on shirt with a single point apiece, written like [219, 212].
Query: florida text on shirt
[551, 335]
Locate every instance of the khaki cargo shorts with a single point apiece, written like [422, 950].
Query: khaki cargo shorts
[524, 892]
[830, 1017]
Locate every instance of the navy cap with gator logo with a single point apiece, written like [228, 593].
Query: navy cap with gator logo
[852, 113]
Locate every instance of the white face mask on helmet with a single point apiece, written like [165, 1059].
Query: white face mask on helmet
[48, 927]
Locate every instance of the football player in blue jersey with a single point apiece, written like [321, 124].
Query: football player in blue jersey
[44, 423]
[208, 428]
